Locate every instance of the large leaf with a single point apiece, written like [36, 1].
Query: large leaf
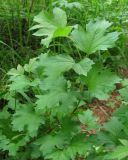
[51, 25]
[100, 82]
[56, 65]
[95, 37]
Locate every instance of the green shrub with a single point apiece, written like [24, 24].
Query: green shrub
[47, 99]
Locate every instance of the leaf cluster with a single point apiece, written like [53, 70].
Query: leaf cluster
[48, 98]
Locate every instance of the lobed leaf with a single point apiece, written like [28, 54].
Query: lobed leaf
[95, 37]
[51, 25]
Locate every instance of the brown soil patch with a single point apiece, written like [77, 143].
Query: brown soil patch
[103, 109]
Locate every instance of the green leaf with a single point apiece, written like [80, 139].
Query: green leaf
[30, 67]
[119, 153]
[57, 94]
[121, 112]
[58, 155]
[66, 107]
[78, 146]
[12, 146]
[26, 119]
[51, 25]
[16, 72]
[59, 64]
[114, 126]
[124, 142]
[35, 154]
[57, 98]
[19, 83]
[49, 100]
[60, 18]
[4, 114]
[95, 37]
[62, 32]
[100, 82]
[83, 67]
[124, 93]
[56, 65]
[52, 83]
[87, 118]
[5, 117]
[4, 141]
[49, 143]
[69, 128]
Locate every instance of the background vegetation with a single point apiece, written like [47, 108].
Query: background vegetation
[16, 18]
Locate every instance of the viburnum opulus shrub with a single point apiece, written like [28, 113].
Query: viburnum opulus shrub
[47, 99]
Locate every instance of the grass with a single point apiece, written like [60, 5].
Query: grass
[17, 45]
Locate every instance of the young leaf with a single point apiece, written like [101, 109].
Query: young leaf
[95, 37]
